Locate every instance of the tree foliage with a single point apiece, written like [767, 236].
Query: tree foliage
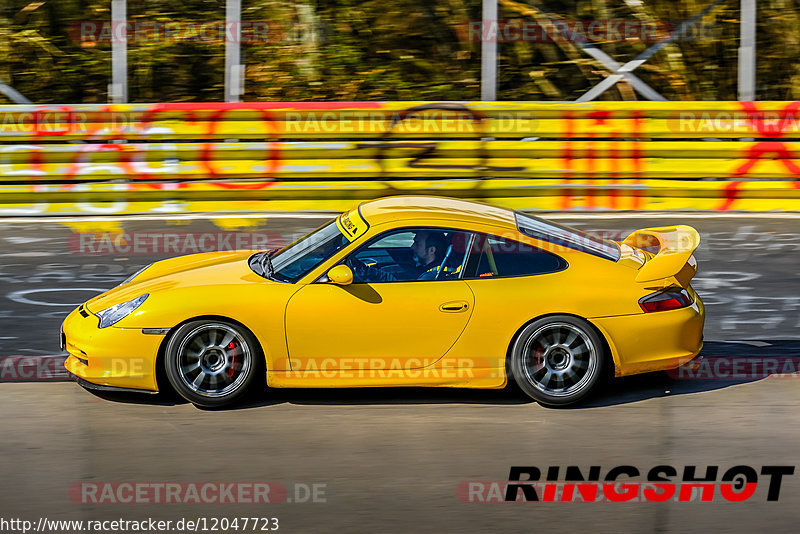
[387, 50]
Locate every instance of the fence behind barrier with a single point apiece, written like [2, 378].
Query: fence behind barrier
[310, 155]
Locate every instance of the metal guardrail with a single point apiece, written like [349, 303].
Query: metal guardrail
[306, 155]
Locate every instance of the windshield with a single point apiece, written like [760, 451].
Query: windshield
[566, 236]
[296, 260]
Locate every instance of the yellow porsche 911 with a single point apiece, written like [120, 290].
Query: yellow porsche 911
[401, 291]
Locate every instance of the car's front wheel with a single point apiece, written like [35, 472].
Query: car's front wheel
[557, 360]
[212, 363]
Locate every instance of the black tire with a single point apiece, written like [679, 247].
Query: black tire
[213, 363]
[558, 360]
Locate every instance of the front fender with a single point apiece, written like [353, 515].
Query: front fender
[259, 308]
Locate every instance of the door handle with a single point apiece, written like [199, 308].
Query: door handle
[454, 306]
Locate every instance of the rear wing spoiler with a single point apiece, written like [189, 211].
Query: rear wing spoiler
[674, 257]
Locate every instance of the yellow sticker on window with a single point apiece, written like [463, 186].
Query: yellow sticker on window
[352, 224]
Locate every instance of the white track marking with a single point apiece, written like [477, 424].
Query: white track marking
[29, 254]
[25, 240]
[751, 343]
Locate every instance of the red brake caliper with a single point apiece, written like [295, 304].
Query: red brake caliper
[231, 347]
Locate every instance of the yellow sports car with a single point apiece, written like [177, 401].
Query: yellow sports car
[401, 291]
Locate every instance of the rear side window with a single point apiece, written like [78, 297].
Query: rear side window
[494, 256]
[566, 236]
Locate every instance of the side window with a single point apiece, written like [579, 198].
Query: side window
[411, 254]
[494, 256]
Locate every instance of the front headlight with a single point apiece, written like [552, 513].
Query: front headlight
[119, 311]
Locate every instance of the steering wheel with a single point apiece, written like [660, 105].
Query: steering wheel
[359, 267]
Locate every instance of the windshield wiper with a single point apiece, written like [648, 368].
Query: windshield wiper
[265, 262]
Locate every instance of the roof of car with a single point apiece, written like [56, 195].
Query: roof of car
[441, 208]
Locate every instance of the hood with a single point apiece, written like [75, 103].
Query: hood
[210, 268]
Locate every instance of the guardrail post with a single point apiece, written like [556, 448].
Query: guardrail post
[747, 51]
[234, 70]
[489, 52]
[118, 89]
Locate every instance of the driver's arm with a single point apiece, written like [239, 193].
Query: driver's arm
[366, 273]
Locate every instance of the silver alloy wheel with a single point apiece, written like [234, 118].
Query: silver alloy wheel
[213, 360]
[559, 359]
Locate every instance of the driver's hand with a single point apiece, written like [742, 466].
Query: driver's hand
[368, 273]
[359, 268]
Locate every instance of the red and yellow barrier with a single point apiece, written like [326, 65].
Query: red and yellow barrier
[322, 156]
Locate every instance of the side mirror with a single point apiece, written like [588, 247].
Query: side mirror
[341, 275]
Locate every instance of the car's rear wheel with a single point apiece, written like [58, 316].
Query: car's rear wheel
[212, 363]
[557, 360]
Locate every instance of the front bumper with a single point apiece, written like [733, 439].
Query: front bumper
[112, 389]
[110, 357]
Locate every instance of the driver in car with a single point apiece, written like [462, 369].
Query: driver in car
[428, 251]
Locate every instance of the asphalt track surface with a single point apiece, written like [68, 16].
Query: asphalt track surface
[391, 460]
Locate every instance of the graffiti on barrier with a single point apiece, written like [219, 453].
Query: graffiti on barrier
[595, 152]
